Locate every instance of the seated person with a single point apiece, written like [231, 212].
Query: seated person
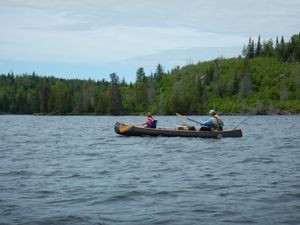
[150, 122]
[214, 123]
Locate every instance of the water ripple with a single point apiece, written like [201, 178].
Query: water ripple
[76, 170]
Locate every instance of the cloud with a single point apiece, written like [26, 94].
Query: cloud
[180, 57]
[110, 32]
[61, 39]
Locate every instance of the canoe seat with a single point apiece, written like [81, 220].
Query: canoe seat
[153, 124]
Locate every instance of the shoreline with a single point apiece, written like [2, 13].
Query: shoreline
[143, 114]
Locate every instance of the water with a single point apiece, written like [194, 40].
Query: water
[76, 170]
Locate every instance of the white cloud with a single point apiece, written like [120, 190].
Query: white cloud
[57, 37]
[92, 32]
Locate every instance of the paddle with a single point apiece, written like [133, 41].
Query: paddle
[124, 128]
[177, 114]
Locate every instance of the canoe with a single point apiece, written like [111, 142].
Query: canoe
[131, 130]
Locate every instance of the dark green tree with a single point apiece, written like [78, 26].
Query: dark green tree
[267, 48]
[101, 101]
[60, 98]
[115, 103]
[258, 48]
[250, 49]
[140, 75]
[159, 72]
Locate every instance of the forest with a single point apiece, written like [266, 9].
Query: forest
[264, 79]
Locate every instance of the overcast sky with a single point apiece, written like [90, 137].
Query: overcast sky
[93, 38]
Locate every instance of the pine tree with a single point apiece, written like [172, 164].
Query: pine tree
[281, 50]
[115, 96]
[250, 48]
[258, 48]
[159, 72]
[140, 75]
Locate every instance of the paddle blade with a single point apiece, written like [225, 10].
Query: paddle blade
[124, 128]
[177, 114]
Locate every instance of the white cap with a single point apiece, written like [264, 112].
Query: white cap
[212, 112]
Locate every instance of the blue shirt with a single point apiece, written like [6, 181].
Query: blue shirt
[208, 122]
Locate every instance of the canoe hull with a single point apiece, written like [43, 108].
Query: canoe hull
[140, 131]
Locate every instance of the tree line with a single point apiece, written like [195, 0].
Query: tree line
[287, 51]
[265, 79]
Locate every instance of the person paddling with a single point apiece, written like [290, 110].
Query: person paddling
[150, 121]
[214, 123]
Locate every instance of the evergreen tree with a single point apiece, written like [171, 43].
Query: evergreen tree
[267, 48]
[140, 75]
[277, 43]
[158, 72]
[250, 49]
[141, 96]
[281, 49]
[258, 48]
[269, 82]
[245, 51]
[282, 40]
[101, 100]
[60, 98]
[44, 93]
[115, 96]
[294, 48]
[277, 48]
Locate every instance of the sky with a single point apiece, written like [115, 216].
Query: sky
[85, 39]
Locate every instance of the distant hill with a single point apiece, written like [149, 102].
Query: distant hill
[264, 80]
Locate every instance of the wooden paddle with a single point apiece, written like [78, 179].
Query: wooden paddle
[177, 114]
[125, 128]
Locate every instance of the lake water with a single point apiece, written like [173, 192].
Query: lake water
[76, 170]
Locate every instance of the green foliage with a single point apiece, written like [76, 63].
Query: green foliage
[266, 80]
[115, 97]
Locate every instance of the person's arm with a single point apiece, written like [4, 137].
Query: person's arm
[208, 122]
[148, 121]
